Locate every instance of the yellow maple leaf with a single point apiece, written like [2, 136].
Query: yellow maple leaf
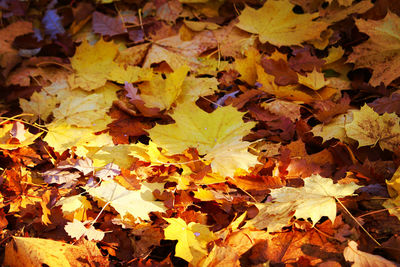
[41, 105]
[210, 133]
[370, 128]
[109, 153]
[62, 136]
[29, 251]
[161, 93]
[394, 184]
[381, 52]
[335, 128]
[315, 199]
[277, 24]
[291, 92]
[314, 80]
[92, 64]
[74, 207]
[80, 109]
[247, 66]
[137, 203]
[192, 239]
[5, 135]
[193, 88]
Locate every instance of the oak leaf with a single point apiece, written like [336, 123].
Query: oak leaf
[381, 51]
[192, 239]
[369, 128]
[217, 134]
[277, 24]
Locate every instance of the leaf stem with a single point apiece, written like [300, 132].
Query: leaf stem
[359, 224]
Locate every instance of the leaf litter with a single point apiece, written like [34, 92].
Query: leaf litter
[174, 133]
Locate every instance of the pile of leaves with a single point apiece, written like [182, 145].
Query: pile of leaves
[200, 133]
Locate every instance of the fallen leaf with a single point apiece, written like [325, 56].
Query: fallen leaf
[369, 128]
[217, 134]
[137, 203]
[30, 251]
[106, 25]
[381, 51]
[77, 229]
[276, 23]
[192, 239]
[314, 80]
[316, 199]
[360, 258]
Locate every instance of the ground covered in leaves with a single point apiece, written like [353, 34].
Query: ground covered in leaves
[201, 133]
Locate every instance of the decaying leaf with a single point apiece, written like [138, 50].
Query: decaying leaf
[369, 128]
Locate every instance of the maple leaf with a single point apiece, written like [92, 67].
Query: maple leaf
[61, 176]
[360, 258]
[277, 24]
[314, 80]
[106, 25]
[177, 53]
[335, 128]
[29, 251]
[381, 51]
[283, 108]
[80, 109]
[92, 64]
[273, 216]
[62, 136]
[316, 199]
[192, 239]
[41, 105]
[74, 207]
[212, 134]
[394, 184]
[162, 93]
[193, 88]
[77, 229]
[247, 66]
[6, 134]
[370, 128]
[108, 172]
[110, 153]
[9, 55]
[137, 203]
[52, 23]
[387, 104]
